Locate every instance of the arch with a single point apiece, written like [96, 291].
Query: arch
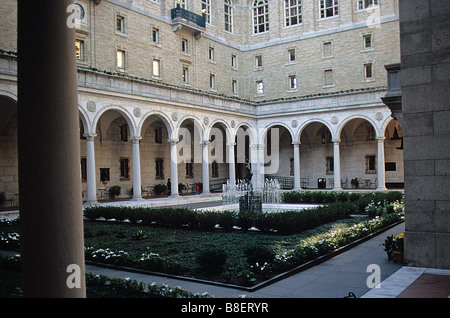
[197, 125]
[224, 125]
[122, 111]
[8, 110]
[249, 129]
[160, 115]
[311, 121]
[84, 118]
[352, 117]
[273, 124]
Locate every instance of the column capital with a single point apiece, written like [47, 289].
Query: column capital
[257, 146]
[231, 144]
[381, 139]
[335, 140]
[205, 143]
[296, 143]
[173, 141]
[90, 137]
[136, 139]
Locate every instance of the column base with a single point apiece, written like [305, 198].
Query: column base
[337, 189]
[173, 196]
[298, 189]
[137, 199]
[91, 202]
[382, 189]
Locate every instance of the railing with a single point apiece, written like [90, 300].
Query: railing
[285, 182]
[177, 13]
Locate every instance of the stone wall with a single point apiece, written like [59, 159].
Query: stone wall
[425, 45]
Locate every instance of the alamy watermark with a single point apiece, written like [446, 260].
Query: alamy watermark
[374, 279]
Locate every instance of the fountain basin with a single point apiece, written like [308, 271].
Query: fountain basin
[266, 207]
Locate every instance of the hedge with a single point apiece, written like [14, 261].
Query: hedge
[274, 222]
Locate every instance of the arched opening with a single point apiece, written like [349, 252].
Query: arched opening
[317, 157]
[242, 152]
[155, 156]
[113, 154]
[359, 155]
[9, 173]
[393, 153]
[219, 171]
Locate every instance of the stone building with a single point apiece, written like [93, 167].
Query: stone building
[188, 90]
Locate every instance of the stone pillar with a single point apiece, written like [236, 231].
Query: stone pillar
[137, 193]
[90, 169]
[51, 217]
[257, 165]
[337, 165]
[173, 168]
[297, 185]
[205, 167]
[231, 164]
[381, 172]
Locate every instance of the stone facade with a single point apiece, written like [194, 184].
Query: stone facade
[425, 44]
[182, 79]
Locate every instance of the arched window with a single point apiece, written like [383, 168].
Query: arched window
[228, 15]
[260, 16]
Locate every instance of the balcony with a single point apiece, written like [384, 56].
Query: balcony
[182, 18]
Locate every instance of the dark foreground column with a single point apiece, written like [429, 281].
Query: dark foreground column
[49, 152]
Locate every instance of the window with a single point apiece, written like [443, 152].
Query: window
[292, 12]
[104, 174]
[124, 169]
[228, 15]
[184, 46]
[292, 82]
[212, 81]
[120, 59]
[211, 54]
[156, 68]
[328, 8]
[368, 74]
[364, 4]
[158, 135]
[330, 165]
[189, 170]
[291, 55]
[155, 35]
[180, 4]
[233, 61]
[367, 41]
[370, 164]
[185, 75]
[259, 87]
[214, 169]
[258, 61]
[79, 50]
[83, 169]
[327, 49]
[234, 86]
[260, 16]
[328, 77]
[390, 166]
[124, 132]
[120, 24]
[159, 168]
[206, 10]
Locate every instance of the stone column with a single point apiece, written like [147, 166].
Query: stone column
[337, 165]
[51, 216]
[297, 185]
[137, 193]
[231, 164]
[381, 171]
[257, 164]
[205, 167]
[173, 168]
[90, 169]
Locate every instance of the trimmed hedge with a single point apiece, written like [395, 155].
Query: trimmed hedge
[274, 222]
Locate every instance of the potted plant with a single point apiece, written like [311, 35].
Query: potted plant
[394, 247]
[354, 182]
[114, 191]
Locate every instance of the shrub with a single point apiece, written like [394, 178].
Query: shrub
[258, 254]
[159, 188]
[114, 191]
[212, 260]
[207, 219]
[227, 219]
